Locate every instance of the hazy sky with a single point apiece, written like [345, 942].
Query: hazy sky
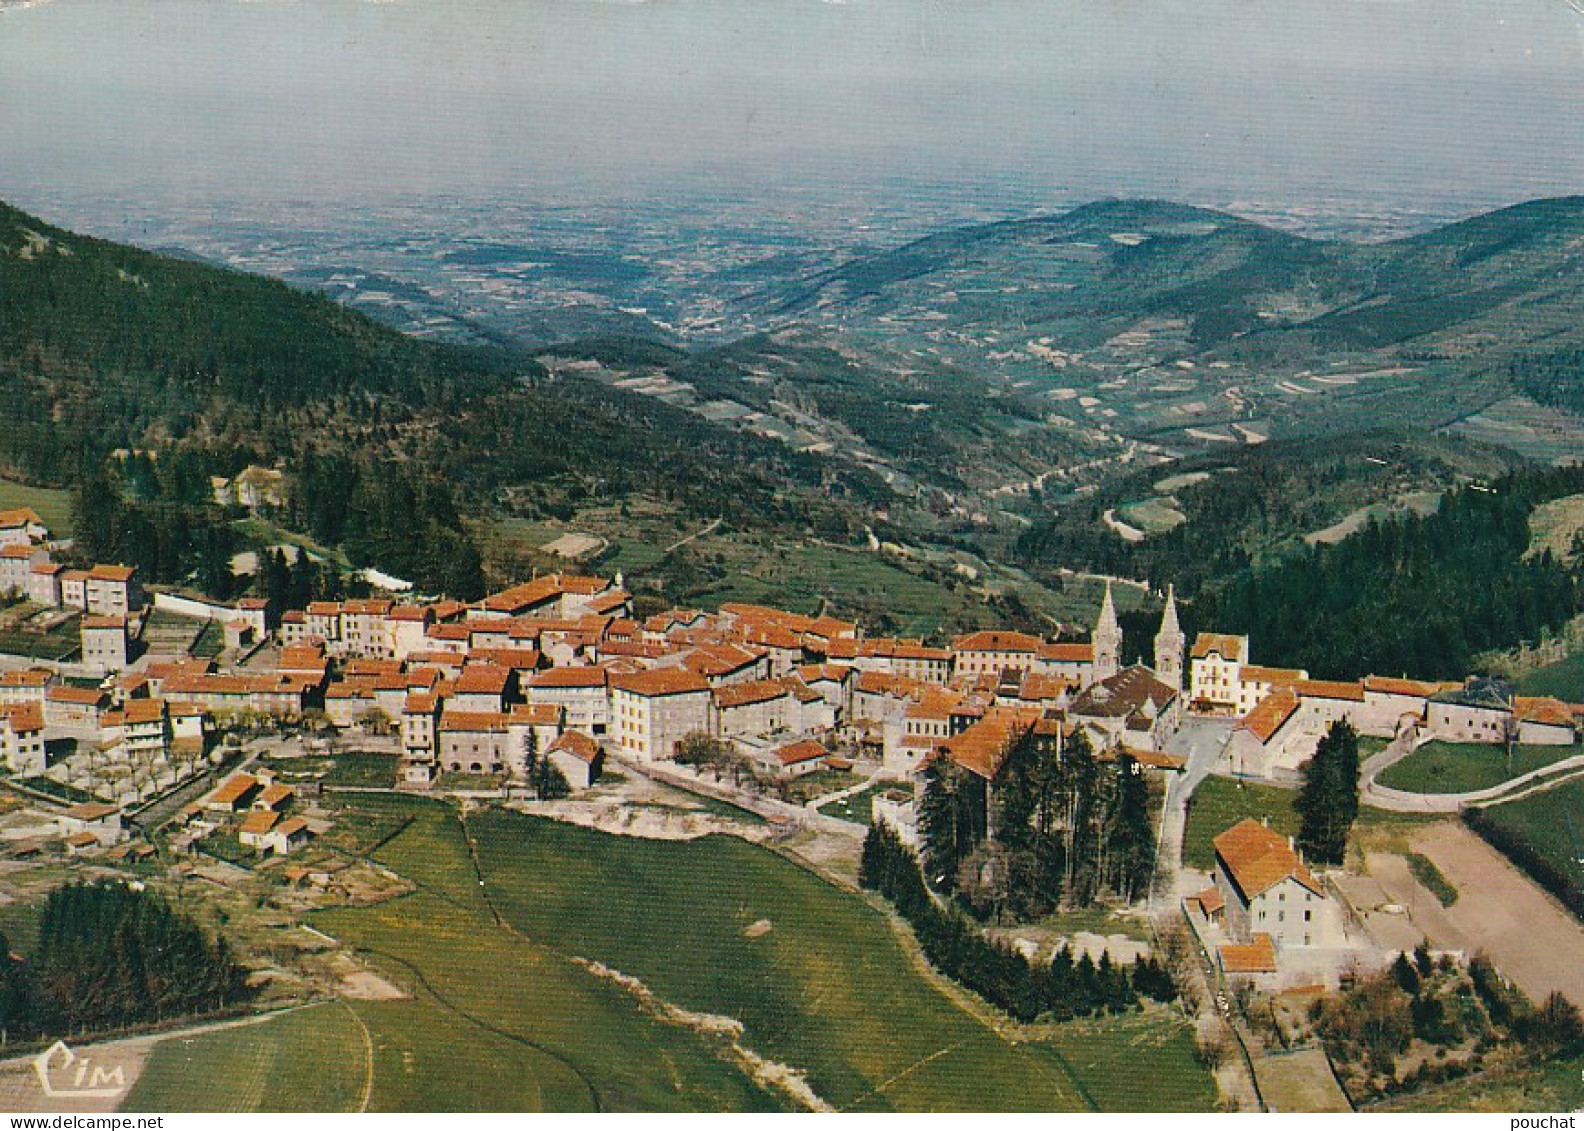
[192, 100]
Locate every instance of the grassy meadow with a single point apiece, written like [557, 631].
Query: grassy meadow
[1220, 803]
[51, 504]
[1563, 679]
[312, 1059]
[1463, 767]
[496, 946]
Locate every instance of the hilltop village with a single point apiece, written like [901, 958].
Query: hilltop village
[534, 687]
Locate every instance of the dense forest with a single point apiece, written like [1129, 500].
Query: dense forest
[1555, 379]
[1416, 595]
[109, 956]
[1066, 832]
[1252, 507]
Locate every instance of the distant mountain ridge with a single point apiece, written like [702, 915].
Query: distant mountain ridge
[1134, 258]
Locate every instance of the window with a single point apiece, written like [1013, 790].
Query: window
[1308, 916]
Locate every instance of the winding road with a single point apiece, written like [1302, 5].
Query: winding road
[1372, 793]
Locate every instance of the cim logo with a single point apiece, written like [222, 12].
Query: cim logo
[65, 1075]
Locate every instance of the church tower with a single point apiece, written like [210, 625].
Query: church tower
[1107, 640]
[1170, 644]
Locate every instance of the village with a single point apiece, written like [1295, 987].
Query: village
[528, 695]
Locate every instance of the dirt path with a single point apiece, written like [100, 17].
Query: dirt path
[367, 1095]
[1532, 939]
[680, 542]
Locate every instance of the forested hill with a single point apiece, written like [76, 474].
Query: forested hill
[1414, 595]
[107, 350]
[103, 345]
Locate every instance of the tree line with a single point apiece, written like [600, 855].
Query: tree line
[110, 955]
[1066, 831]
[1059, 990]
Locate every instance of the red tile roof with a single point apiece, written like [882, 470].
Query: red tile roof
[23, 718]
[1067, 653]
[1258, 859]
[1229, 647]
[800, 752]
[111, 573]
[1385, 685]
[1544, 710]
[660, 681]
[1255, 957]
[996, 640]
[80, 696]
[571, 677]
[577, 744]
[481, 722]
[1271, 712]
[732, 695]
[1329, 689]
[483, 679]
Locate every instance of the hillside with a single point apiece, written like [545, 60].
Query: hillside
[1002, 368]
[1030, 377]
[197, 371]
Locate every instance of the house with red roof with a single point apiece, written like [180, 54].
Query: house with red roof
[582, 692]
[1268, 890]
[578, 756]
[652, 711]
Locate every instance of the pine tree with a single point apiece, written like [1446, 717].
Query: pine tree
[946, 820]
[1329, 800]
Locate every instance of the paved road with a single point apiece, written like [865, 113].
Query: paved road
[1372, 793]
[1201, 741]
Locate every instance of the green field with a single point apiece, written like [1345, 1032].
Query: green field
[1462, 767]
[1220, 803]
[312, 1059]
[1152, 516]
[506, 1015]
[355, 768]
[1131, 1063]
[827, 988]
[858, 808]
[499, 1021]
[59, 643]
[49, 503]
[1550, 822]
[1564, 679]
